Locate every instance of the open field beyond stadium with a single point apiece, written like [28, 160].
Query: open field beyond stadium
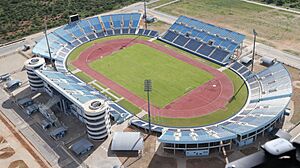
[274, 27]
[207, 98]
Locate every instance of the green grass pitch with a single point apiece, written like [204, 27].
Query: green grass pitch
[171, 78]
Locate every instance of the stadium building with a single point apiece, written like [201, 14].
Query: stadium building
[269, 91]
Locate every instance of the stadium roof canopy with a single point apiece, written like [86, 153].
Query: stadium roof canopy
[70, 86]
[127, 141]
[79, 92]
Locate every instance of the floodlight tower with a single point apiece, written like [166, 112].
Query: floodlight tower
[253, 54]
[148, 89]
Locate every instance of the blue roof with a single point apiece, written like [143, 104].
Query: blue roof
[70, 86]
[212, 29]
[197, 135]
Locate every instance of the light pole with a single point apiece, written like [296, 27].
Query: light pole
[145, 14]
[148, 89]
[49, 51]
[253, 54]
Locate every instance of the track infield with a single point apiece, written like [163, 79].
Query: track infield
[171, 77]
[211, 96]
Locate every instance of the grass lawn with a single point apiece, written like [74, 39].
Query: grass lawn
[84, 77]
[160, 2]
[276, 27]
[129, 106]
[75, 53]
[233, 107]
[171, 77]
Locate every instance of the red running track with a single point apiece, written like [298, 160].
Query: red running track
[207, 98]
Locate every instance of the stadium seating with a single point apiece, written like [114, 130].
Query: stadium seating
[260, 111]
[269, 90]
[64, 39]
[208, 36]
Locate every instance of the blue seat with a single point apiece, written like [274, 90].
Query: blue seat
[117, 20]
[141, 31]
[126, 20]
[132, 31]
[193, 45]
[117, 31]
[181, 40]
[106, 21]
[125, 31]
[219, 54]
[170, 36]
[95, 22]
[153, 34]
[92, 36]
[146, 32]
[85, 26]
[205, 50]
[135, 19]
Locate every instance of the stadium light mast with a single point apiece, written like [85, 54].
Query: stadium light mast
[145, 14]
[148, 89]
[52, 64]
[253, 54]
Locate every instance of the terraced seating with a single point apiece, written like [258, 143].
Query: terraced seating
[64, 39]
[225, 41]
[258, 115]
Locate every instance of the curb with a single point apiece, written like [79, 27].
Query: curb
[11, 42]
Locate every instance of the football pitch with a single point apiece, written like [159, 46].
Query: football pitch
[171, 78]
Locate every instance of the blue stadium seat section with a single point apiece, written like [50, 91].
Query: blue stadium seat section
[74, 29]
[170, 36]
[64, 35]
[135, 17]
[181, 40]
[215, 37]
[85, 25]
[262, 110]
[126, 20]
[106, 20]
[64, 39]
[117, 21]
[193, 45]
[95, 22]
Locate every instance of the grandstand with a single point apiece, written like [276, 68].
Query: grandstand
[64, 39]
[258, 116]
[269, 90]
[203, 39]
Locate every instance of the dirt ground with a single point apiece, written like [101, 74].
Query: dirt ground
[149, 158]
[295, 74]
[159, 26]
[13, 147]
[6, 152]
[212, 162]
[18, 164]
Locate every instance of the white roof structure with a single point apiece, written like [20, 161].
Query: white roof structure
[245, 60]
[127, 141]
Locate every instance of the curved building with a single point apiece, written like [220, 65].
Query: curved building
[97, 119]
[35, 82]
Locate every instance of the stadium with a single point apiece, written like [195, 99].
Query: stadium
[202, 98]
